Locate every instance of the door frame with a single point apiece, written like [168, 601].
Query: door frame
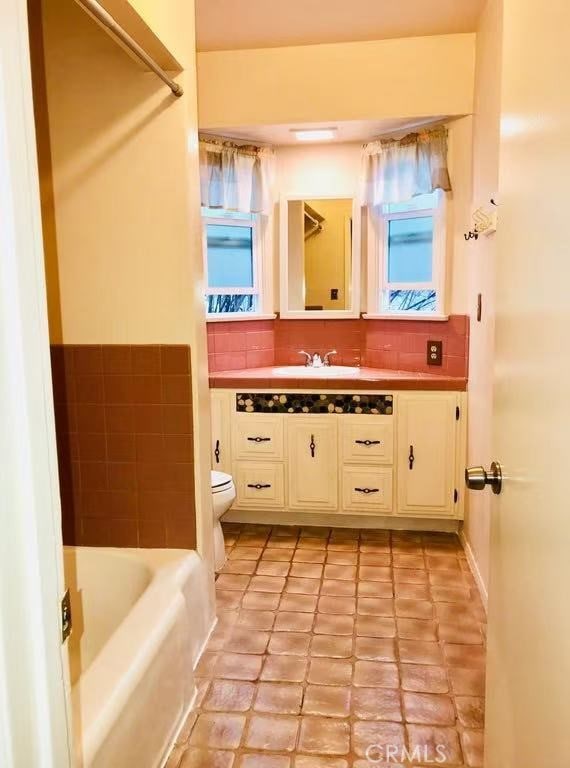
[35, 720]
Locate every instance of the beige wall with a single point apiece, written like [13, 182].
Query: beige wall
[328, 255]
[409, 77]
[481, 276]
[120, 149]
[334, 169]
[123, 199]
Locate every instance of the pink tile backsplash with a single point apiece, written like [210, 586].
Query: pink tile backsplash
[248, 344]
[391, 344]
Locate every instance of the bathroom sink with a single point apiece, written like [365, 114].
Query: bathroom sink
[324, 372]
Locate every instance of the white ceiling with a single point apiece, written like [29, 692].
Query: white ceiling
[349, 131]
[231, 24]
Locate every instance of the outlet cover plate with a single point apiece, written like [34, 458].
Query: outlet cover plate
[435, 353]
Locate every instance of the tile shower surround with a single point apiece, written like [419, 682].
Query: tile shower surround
[331, 640]
[125, 447]
[389, 344]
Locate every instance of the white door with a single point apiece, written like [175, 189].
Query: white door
[34, 694]
[313, 462]
[426, 453]
[528, 710]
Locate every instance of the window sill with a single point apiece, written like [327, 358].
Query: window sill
[237, 318]
[406, 316]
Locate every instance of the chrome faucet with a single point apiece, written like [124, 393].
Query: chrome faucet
[326, 360]
[315, 360]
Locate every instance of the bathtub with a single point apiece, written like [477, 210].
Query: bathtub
[140, 620]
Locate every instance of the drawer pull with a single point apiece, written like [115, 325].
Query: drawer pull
[367, 490]
[312, 446]
[368, 442]
[258, 486]
[217, 452]
[411, 457]
[259, 439]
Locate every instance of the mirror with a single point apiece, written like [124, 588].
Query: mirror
[318, 275]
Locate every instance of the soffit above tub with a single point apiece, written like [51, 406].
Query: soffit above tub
[229, 25]
[347, 132]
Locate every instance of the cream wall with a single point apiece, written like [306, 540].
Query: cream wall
[121, 194]
[481, 276]
[120, 146]
[328, 255]
[311, 171]
[408, 77]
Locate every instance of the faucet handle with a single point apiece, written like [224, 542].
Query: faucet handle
[309, 360]
[326, 360]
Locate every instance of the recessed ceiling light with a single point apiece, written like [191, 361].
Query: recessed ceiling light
[314, 134]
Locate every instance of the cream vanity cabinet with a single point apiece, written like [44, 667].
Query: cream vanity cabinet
[312, 462]
[221, 414]
[406, 462]
[428, 427]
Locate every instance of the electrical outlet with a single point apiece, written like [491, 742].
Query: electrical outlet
[334, 294]
[435, 353]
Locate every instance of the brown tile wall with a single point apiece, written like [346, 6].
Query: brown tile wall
[125, 445]
[387, 344]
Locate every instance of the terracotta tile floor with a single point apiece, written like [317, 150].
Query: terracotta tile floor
[330, 641]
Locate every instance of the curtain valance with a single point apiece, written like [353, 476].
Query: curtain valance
[395, 170]
[234, 177]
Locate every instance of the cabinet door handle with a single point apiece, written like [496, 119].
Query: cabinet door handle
[411, 457]
[259, 486]
[259, 439]
[217, 452]
[368, 442]
[367, 490]
[312, 446]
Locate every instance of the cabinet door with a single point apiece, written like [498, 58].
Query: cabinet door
[426, 453]
[220, 418]
[313, 462]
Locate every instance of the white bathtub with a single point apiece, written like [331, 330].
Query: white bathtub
[140, 620]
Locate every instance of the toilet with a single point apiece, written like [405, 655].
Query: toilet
[223, 496]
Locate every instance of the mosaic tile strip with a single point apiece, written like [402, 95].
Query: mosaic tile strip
[382, 405]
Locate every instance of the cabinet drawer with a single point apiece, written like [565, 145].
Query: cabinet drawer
[367, 440]
[259, 485]
[365, 489]
[257, 435]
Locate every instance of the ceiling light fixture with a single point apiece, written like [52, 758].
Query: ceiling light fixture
[314, 134]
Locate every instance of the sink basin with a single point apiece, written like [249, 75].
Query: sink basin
[325, 372]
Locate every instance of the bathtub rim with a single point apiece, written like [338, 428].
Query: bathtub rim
[103, 690]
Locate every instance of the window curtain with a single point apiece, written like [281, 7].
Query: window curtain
[236, 178]
[395, 170]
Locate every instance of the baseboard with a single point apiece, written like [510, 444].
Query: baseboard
[334, 520]
[474, 569]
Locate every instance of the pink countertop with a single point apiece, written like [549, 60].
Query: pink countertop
[365, 378]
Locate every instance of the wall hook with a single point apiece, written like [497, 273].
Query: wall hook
[471, 235]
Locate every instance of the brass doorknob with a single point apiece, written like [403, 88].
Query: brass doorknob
[477, 478]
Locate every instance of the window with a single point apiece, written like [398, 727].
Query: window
[408, 276]
[232, 246]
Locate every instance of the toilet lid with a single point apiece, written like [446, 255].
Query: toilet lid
[220, 481]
